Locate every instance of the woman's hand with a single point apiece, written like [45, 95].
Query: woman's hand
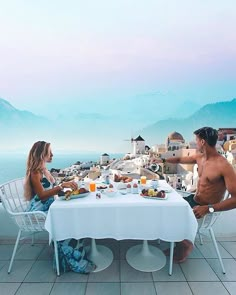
[70, 184]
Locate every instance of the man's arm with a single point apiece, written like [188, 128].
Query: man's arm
[182, 160]
[229, 175]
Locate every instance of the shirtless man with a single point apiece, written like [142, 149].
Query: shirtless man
[216, 175]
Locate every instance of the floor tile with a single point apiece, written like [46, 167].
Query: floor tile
[41, 272]
[18, 272]
[208, 250]
[2, 263]
[35, 288]
[195, 253]
[209, 288]
[103, 289]
[29, 252]
[47, 253]
[230, 247]
[138, 289]
[198, 270]
[172, 288]
[72, 277]
[8, 288]
[230, 268]
[6, 251]
[231, 287]
[163, 274]
[69, 288]
[129, 274]
[110, 274]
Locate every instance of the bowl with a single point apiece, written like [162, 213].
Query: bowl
[123, 191]
[109, 192]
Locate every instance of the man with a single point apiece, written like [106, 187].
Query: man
[215, 174]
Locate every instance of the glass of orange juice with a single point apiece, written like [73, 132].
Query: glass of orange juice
[143, 179]
[92, 186]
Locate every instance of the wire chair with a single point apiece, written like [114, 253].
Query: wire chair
[204, 224]
[12, 196]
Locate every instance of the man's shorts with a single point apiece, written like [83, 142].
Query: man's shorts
[190, 200]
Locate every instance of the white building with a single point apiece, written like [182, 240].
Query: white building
[138, 145]
[104, 159]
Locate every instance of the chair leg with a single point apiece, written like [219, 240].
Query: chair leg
[56, 257]
[14, 251]
[200, 238]
[171, 257]
[217, 249]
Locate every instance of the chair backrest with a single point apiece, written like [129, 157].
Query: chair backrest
[209, 219]
[12, 196]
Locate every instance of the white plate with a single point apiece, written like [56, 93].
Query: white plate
[75, 196]
[154, 198]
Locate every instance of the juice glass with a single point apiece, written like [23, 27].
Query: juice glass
[92, 186]
[143, 179]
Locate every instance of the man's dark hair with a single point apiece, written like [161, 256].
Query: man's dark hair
[209, 134]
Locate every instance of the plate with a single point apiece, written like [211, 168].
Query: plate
[102, 186]
[79, 196]
[154, 198]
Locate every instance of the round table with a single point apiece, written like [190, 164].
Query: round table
[102, 256]
[145, 257]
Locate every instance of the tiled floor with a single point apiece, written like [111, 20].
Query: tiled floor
[201, 274]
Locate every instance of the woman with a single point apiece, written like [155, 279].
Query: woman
[40, 190]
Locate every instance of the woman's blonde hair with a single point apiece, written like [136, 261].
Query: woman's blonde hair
[35, 163]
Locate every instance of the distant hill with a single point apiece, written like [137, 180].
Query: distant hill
[11, 116]
[216, 115]
[19, 128]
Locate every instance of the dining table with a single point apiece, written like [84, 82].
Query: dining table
[124, 216]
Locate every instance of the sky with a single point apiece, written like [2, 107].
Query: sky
[128, 57]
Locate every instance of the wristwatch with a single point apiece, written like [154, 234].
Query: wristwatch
[211, 209]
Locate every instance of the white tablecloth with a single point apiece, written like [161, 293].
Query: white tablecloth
[127, 216]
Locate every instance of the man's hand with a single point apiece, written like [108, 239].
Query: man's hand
[200, 211]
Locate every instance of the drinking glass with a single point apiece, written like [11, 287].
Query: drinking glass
[92, 186]
[143, 179]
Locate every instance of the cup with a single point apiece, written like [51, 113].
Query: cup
[154, 183]
[92, 186]
[143, 180]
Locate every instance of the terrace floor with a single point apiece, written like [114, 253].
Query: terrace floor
[201, 274]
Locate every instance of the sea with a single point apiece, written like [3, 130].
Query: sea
[13, 165]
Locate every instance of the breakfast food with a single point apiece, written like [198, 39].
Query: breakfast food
[79, 191]
[153, 193]
[102, 186]
[125, 179]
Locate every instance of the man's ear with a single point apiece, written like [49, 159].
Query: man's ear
[203, 141]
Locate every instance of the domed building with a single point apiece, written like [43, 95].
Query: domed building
[174, 141]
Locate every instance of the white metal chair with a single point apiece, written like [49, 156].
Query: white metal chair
[204, 224]
[12, 196]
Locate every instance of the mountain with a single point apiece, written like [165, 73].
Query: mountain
[11, 116]
[216, 115]
[185, 110]
[94, 131]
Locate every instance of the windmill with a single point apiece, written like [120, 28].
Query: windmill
[131, 140]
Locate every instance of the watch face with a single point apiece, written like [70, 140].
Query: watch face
[211, 209]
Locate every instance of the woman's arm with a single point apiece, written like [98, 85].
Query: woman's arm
[46, 194]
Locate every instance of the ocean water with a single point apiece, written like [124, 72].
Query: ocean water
[14, 165]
